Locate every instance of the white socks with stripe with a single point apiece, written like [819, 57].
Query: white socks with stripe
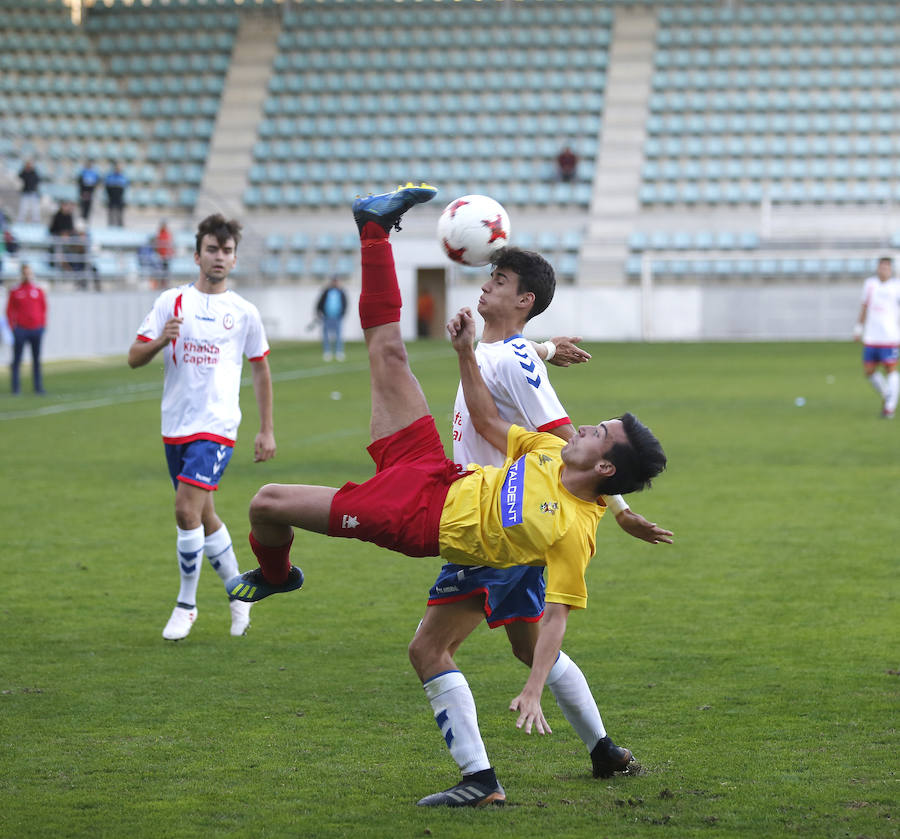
[574, 698]
[190, 548]
[454, 712]
[220, 554]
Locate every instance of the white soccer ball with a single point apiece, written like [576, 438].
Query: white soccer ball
[472, 229]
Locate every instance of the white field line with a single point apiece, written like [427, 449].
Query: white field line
[153, 390]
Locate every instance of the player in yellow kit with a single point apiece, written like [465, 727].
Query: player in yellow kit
[541, 507]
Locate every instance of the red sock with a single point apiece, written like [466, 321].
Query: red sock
[379, 301]
[275, 562]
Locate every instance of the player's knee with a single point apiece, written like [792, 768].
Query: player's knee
[421, 653]
[264, 504]
[523, 651]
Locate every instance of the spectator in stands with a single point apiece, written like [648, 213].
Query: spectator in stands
[78, 257]
[26, 313]
[30, 202]
[116, 183]
[331, 308]
[165, 250]
[61, 226]
[566, 164]
[88, 178]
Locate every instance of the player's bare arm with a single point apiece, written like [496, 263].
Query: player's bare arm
[546, 650]
[860, 323]
[264, 444]
[485, 418]
[143, 352]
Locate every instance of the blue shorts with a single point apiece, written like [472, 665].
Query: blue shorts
[200, 463]
[880, 355]
[509, 594]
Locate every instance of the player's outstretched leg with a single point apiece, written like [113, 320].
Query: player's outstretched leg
[252, 585]
[397, 399]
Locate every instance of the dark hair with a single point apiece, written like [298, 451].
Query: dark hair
[535, 275]
[216, 225]
[637, 461]
[885, 259]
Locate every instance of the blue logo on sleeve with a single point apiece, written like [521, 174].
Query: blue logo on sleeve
[519, 350]
[511, 494]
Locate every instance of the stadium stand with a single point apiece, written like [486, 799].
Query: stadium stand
[757, 109]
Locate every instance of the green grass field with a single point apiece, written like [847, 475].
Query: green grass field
[753, 666]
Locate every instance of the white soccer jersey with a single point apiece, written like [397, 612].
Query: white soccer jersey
[203, 366]
[882, 299]
[517, 379]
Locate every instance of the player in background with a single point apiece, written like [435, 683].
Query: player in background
[542, 507]
[203, 330]
[520, 287]
[879, 329]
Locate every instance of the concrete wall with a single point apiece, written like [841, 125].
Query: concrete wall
[88, 324]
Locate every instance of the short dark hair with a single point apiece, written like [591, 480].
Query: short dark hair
[886, 259]
[535, 275]
[216, 225]
[637, 461]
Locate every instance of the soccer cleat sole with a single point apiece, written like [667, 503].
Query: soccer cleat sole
[465, 795]
[388, 208]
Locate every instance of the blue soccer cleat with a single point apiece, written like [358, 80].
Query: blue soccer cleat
[387, 209]
[252, 586]
[466, 794]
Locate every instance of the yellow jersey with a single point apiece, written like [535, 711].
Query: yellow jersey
[520, 514]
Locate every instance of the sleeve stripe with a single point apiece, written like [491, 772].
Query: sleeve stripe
[260, 357]
[547, 426]
[144, 338]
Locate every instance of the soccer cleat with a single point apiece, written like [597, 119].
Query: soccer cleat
[608, 758]
[387, 209]
[466, 794]
[240, 617]
[252, 586]
[180, 623]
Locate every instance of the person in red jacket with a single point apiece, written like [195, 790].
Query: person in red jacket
[26, 312]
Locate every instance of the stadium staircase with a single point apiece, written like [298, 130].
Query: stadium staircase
[614, 206]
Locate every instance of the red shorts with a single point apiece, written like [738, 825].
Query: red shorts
[400, 507]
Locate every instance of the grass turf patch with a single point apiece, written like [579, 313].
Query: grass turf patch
[752, 666]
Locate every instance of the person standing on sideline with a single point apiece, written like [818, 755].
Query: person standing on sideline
[878, 328]
[203, 330]
[116, 184]
[332, 307]
[30, 200]
[88, 178]
[165, 250]
[521, 286]
[26, 314]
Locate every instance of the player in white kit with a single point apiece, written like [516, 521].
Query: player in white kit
[204, 330]
[879, 329]
[521, 286]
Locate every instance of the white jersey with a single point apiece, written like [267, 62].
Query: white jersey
[882, 300]
[203, 366]
[517, 379]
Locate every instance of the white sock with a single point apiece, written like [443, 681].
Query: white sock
[879, 383]
[454, 712]
[892, 391]
[574, 698]
[190, 546]
[220, 553]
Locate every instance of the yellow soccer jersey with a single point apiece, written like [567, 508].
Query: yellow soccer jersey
[520, 514]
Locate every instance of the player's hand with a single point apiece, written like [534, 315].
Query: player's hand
[530, 714]
[461, 329]
[567, 353]
[263, 446]
[636, 525]
[172, 329]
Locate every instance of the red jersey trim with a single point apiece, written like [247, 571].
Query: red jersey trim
[483, 592]
[260, 357]
[200, 484]
[882, 346]
[200, 435]
[495, 624]
[144, 338]
[547, 426]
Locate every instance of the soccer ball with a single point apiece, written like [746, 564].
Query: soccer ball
[472, 229]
